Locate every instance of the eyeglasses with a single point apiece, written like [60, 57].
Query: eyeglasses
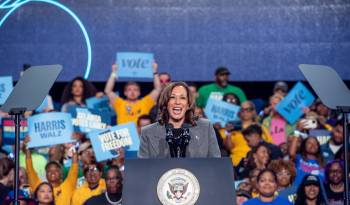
[335, 171]
[248, 109]
[165, 81]
[92, 170]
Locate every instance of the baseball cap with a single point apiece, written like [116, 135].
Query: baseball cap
[222, 71]
[311, 180]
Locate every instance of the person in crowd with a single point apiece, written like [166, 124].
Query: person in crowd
[310, 159]
[267, 186]
[76, 92]
[286, 173]
[310, 192]
[326, 116]
[279, 128]
[280, 88]
[142, 121]
[258, 158]
[5, 167]
[233, 138]
[113, 194]
[44, 194]
[253, 175]
[334, 183]
[23, 178]
[334, 143]
[242, 196]
[178, 133]
[131, 108]
[57, 153]
[63, 190]
[94, 184]
[164, 79]
[253, 136]
[218, 89]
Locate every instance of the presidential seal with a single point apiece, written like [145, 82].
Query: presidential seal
[178, 187]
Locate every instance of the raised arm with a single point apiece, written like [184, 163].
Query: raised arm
[33, 177]
[156, 83]
[110, 84]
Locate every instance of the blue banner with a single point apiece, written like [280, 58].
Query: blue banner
[8, 130]
[322, 135]
[105, 142]
[220, 111]
[5, 88]
[291, 107]
[49, 129]
[87, 120]
[135, 65]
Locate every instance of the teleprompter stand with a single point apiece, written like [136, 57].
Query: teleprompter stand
[334, 94]
[27, 95]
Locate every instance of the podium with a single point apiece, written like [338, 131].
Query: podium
[178, 181]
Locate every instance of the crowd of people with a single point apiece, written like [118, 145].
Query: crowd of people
[273, 161]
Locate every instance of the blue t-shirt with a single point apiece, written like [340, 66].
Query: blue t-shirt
[289, 193]
[303, 167]
[277, 201]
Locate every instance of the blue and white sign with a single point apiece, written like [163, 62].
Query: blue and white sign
[105, 142]
[135, 65]
[220, 111]
[5, 88]
[291, 107]
[322, 135]
[49, 129]
[86, 120]
[97, 103]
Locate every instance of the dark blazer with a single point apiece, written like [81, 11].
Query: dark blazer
[203, 142]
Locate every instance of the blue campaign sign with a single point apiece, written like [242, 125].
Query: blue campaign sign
[87, 120]
[291, 107]
[135, 65]
[8, 130]
[5, 88]
[49, 129]
[322, 135]
[105, 142]
[97, 103]
[220, 111]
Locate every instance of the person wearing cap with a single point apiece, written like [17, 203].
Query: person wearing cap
[310, 192]
[218, 89]
[281, 88]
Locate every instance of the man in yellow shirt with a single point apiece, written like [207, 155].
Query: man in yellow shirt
[131, 108]
[63, 191]
[93, 185]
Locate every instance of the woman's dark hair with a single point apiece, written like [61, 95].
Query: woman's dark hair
[319, 157]
[251, 162]
[301, 195]
[35, 195]
[89, 90]
[164, 99]
[264, 171]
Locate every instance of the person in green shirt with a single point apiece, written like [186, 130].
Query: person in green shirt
[218, 89]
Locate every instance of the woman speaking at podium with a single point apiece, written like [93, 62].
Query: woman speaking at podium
[178, 133]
